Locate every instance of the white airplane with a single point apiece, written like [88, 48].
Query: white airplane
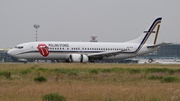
[89, 51]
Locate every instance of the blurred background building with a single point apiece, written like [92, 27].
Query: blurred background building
[4, 57]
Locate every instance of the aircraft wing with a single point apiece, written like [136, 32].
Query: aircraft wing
[101, 55]
[157, 45]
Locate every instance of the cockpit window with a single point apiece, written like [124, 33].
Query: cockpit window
[19, 47]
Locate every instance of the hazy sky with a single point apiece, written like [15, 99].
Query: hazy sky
[77, 20]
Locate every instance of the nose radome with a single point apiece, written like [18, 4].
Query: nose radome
[10, 52]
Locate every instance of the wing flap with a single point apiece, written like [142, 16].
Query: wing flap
[103, 54]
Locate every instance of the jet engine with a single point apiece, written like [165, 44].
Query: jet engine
[80, 58]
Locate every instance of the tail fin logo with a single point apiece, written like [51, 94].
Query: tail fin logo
[43, 49]
[155, 24]
[149, 31]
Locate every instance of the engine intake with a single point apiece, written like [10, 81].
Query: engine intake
[80, 58]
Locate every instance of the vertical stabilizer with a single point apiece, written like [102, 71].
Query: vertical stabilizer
[150, 35]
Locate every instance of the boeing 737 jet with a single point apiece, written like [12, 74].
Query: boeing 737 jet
[89, 51]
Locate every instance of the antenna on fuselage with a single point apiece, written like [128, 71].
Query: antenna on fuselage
[36, 26]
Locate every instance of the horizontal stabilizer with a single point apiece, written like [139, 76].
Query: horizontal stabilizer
[157, 45]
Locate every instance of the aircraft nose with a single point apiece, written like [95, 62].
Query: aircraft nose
[10, 52]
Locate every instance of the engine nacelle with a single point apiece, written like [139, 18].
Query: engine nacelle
[78, 58]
